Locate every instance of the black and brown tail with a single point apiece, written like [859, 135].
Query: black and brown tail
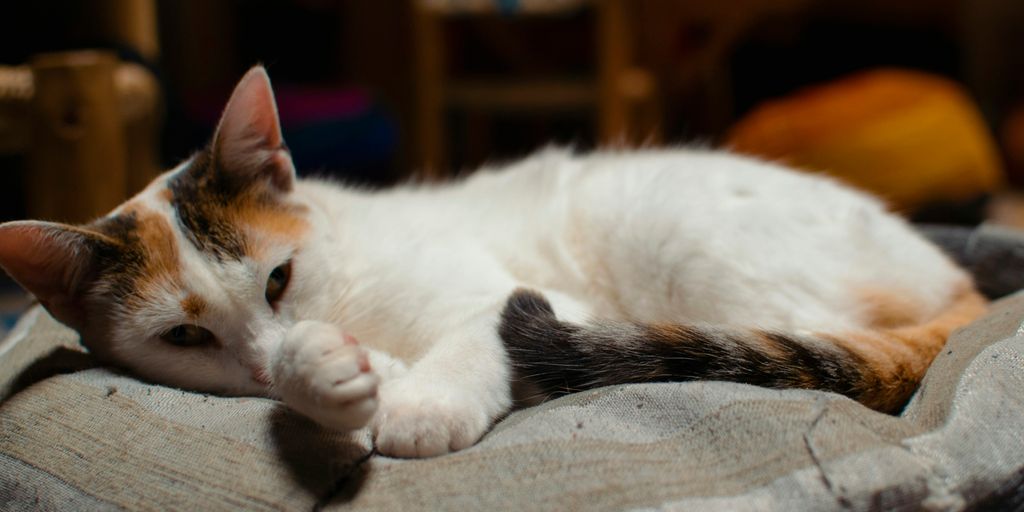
[880, 368]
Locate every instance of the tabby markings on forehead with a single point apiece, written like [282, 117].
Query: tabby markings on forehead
[216, 208]
[199, 200]
[137, 251]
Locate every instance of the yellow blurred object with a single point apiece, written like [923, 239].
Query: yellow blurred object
[911, 138]
[1013, 141]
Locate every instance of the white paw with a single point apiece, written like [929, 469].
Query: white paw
[326, 377]
[424, 421]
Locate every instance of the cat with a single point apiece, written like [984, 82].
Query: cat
[386, 309]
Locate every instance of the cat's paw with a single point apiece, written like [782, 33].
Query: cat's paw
[416, 420]
[326, 376]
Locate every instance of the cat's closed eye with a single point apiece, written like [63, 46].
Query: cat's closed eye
[187, 336]
[277, 282]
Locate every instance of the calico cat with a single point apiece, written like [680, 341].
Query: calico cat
[228, 274]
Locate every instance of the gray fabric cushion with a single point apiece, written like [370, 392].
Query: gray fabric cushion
[993, 254]
[94, 439]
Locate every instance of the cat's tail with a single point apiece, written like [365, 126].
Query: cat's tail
[880, 368]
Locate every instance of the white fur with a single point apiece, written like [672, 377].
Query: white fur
[419, 274]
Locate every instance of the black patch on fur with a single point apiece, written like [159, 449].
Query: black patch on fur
[199, 195]
[121, 263]
[117, 259]
[563, 358]
[539, 345]
[824, 364]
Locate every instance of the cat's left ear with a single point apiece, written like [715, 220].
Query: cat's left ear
[56, 262]
[248, 143]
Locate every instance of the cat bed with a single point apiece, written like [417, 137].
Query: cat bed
[96, 439]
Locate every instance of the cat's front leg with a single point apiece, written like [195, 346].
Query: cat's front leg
[449, 398]
[326, 376]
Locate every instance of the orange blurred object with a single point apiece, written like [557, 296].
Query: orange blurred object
[912, 138]
[1013, 141]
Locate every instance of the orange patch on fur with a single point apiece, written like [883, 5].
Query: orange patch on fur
[273, 220]
[159, 250]
[158, 241]
[193, 305]
[886, 309]
[279, 222]
[897, 358]
[767, 345]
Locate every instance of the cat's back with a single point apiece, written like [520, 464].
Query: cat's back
[707, 178]
[713, 196]
[710, 229]
[707, 235]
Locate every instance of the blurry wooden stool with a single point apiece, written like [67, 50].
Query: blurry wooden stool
[87, 125]
[618, 86]
[86, 122]
[912, 138]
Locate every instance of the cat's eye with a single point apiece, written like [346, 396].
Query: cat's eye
[187, 336]
[277, 282]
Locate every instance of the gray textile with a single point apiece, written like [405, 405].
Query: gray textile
[994, 254]
[94, 439]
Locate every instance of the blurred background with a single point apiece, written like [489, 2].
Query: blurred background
[918, 101]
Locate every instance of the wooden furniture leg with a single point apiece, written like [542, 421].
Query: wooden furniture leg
[76, 165]
[613, 51]
[428, 52]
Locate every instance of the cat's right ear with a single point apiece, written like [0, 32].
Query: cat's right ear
[248, 143]
[52, 261]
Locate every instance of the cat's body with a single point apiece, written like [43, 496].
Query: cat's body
[420, 275]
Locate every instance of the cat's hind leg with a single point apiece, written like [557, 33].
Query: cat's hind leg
[326, 376]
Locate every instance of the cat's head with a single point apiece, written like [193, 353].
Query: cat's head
[191, 282]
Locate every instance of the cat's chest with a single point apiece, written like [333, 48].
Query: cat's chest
[397, 298]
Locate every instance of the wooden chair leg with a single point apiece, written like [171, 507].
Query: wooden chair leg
[613, 56]
[76, 164]
[428, 52]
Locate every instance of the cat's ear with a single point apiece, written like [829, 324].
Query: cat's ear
[53, 261]
[248, 143]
